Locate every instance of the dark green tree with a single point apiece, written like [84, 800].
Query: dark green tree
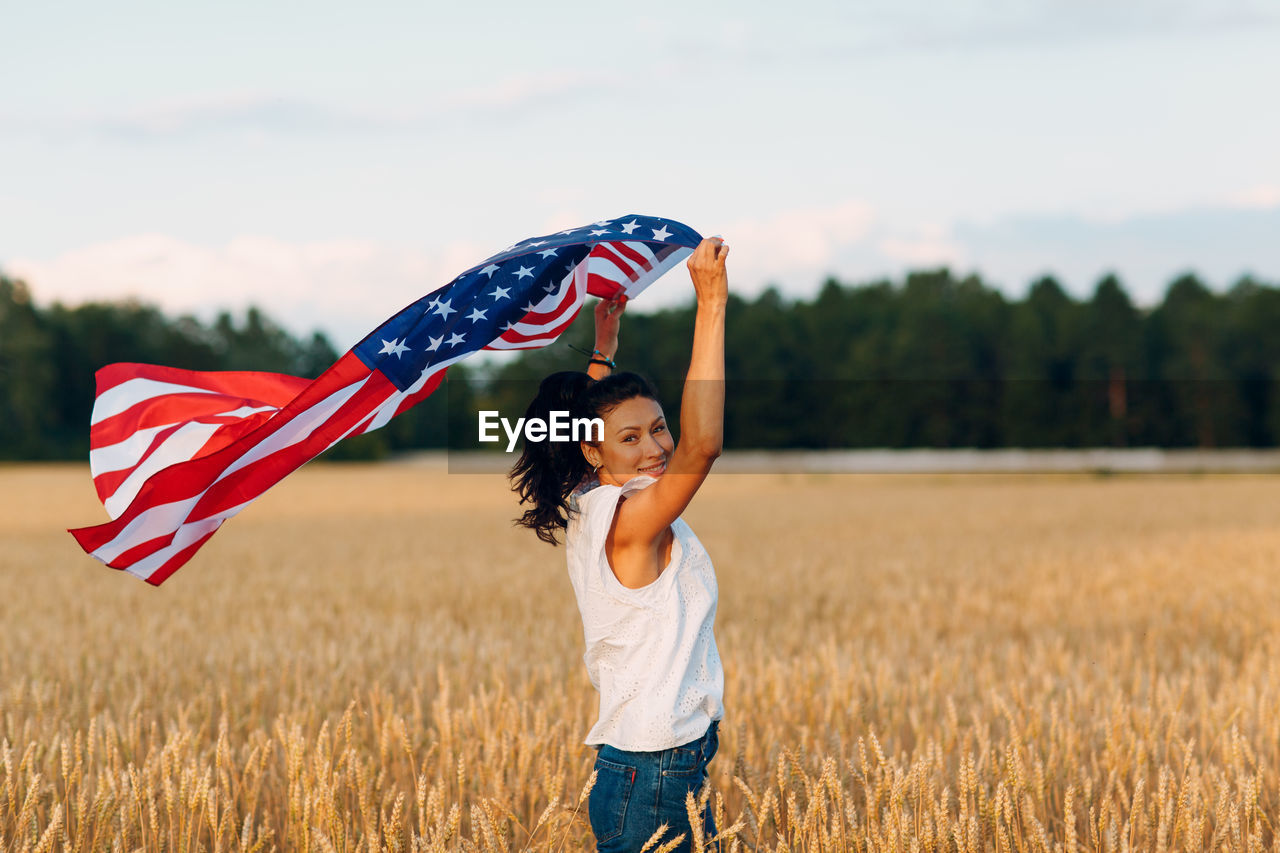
[1195, 403]
[28, 375]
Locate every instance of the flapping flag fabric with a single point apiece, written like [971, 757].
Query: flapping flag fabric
[175, 453]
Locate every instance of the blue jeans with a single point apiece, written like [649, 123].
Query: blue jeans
[636, 792]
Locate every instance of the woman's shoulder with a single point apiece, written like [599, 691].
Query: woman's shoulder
[588, 493]
[593, 504]
[592, 492]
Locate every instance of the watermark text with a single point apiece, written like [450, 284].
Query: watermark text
[560, 427]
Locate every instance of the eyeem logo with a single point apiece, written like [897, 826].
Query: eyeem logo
[560, 428]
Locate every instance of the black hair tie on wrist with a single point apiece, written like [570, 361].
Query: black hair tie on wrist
[604, 359]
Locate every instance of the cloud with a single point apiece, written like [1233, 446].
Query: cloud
[797, 242]
[1259, 197]
[343, 287]
[347, 287]
[853, 242]
[931, 246]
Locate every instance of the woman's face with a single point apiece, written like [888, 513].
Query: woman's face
[636, 441]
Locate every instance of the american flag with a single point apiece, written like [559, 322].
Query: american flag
[175, 453]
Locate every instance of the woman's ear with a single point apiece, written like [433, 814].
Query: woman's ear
[591, 453]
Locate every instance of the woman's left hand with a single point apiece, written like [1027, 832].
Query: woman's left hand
[608, 318]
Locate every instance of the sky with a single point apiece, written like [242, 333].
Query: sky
[332, 162]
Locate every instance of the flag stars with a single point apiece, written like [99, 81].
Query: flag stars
[547, 253]
[524, 272]
[500, 293]
[490, 270]
[476, 314]
[455, 339]
[530, 307]
[661, 233]
[393, 347]
[444, 308]
[598, 233]
[550, 288]
[435, 343]
[630, 226]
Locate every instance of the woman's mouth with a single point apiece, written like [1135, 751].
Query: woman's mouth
[654, 470]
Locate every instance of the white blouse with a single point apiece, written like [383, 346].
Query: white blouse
[649, 651]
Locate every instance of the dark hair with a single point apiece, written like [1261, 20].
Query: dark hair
[547, 472]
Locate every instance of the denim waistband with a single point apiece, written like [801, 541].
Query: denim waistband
[703, 747]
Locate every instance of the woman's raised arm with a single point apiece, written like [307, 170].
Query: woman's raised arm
[644, 517]
[608, 317]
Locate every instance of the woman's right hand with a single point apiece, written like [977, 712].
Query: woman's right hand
[706, 268]
[640, 526]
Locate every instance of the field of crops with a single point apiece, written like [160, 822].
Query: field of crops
[371, 658]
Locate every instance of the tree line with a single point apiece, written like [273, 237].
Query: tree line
[934, 360]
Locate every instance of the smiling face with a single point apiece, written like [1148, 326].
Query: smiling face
[636, 441]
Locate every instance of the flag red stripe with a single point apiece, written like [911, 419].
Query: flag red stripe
[107, 483]
[414, 399]
[605, 288]
[161, 411]
[189, 479]
[569, 299]
[512, 336]
[142, 550]
[632, 255]
[178, 560]
[247, 483]
[279, 387]
[605, 252]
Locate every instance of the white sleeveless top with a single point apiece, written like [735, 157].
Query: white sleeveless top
[650, 651]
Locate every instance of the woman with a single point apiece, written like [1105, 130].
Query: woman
[645, 586]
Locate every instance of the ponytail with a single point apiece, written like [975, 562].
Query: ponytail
[547, 472]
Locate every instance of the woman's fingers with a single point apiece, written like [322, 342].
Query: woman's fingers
[707, 270]
[710, 253]
[611, 307]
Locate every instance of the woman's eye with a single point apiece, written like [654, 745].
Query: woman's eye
[629, 438]
[660, 428]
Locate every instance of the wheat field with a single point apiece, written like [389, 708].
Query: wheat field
[372, 658]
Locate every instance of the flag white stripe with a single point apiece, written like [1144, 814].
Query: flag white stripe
[578, 280]
[185, 535]
[641, 249]
[179, 447]
[123, 454]
[532, 343]
[157, 521]
[246, 411]
[387, 410]
[296, 430]
[128, 394]
[150, 524]
[660, 268]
